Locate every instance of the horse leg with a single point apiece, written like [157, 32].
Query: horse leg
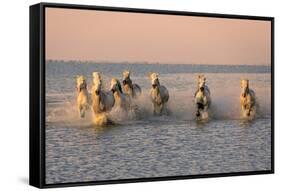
[197, 113]
[205, 114]
[248, 112]
[79, 110]
[83, 111]
[243, 110]
[160, 109]
[168, 112]
[156, 109]
[252, 111]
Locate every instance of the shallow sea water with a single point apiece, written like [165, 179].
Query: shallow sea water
[77, 151]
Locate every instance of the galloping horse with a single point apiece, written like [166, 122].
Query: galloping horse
[102, 101]
[202, 98]
[121, 100]
[83, 98]
[247, 99]
[159, 94]
[133, 90]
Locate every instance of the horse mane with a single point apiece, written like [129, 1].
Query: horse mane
[119, 86]
[81, 87]
[130, 82]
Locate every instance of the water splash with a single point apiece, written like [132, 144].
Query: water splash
[180, 105]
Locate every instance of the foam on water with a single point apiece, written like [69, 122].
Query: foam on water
[225, 105]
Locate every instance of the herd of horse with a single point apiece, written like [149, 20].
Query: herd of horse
[101, 101]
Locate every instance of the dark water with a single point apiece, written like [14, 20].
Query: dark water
[76, 151]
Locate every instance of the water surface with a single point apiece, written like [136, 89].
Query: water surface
[76, 151]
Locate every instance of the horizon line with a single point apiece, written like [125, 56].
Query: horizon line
[146, 62]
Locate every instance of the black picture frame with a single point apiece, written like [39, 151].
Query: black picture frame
[37, 93]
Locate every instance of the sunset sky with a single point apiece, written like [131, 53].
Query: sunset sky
[89, 35]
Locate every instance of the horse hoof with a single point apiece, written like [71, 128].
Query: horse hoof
[81, 115]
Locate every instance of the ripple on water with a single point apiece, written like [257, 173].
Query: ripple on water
[156, 149]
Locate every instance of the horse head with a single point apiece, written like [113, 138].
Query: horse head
[81, 83]
[115, 85]
[126, 78]
[154, 78]
[201, 82]
[244, 84]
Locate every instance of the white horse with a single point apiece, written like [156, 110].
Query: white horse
[247, 100]
[102, 102]
[133, 90]
[202, 98]
[121, 100]
[97, 79]
[159, 95]
[83, 98]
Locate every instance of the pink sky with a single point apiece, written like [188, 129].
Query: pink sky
[73, 34]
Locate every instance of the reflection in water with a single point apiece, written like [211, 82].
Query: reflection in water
[245, 123]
